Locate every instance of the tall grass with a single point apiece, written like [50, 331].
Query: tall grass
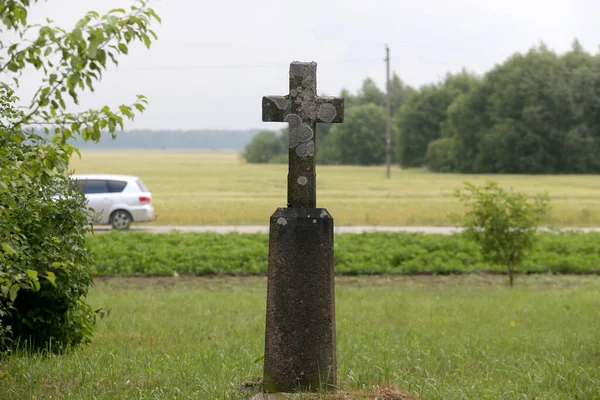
[439, 338]
[216, 188]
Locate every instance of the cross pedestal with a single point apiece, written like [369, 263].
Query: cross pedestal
[300, 339]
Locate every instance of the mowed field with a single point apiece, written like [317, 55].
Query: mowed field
[439, 338]
[197, 188]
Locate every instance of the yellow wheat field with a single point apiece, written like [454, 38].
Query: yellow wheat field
[199, 188]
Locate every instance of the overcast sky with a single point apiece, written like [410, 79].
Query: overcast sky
[214, 60]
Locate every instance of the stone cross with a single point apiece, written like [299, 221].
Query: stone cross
[302, 109]
[300, 342]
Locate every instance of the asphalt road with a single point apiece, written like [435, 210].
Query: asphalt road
[443, 230]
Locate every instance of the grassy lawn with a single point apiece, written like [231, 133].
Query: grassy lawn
[467, 337]
[216, 188]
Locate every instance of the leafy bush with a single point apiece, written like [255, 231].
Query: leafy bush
[139, 253]
[503, 223]
[262, 148]
[45, 266]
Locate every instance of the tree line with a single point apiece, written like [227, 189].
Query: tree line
[205, 139]
[536, 113]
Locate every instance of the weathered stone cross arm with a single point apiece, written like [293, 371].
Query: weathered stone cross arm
[302, 109]
[277, 108]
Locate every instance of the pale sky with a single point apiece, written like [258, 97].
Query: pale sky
[214, 60]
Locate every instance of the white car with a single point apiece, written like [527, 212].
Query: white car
[117, 200]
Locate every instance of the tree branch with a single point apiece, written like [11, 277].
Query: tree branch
[38, 105]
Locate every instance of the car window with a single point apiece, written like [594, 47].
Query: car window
[142, 187]
[93, 186]
[116, 186]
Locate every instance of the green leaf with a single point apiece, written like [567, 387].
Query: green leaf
[152, 13]
[123, 48]
[32, 274]
[92, 50]
[76, 35]
[45, 31]
[147, 41]
[14, 289]
[101, 57]
[112, 57]
[88, 81]
[74, 80]
[51, 277]
[8, 249]
[126, 110]
[12, 66]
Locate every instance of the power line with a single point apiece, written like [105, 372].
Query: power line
[376, 43]
[233, 66]
[277, 65]
[445, 48]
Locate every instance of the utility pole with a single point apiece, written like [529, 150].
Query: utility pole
[388, 117]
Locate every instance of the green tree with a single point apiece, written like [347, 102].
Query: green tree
[530, 93]
[370, 93]
[327, 150]
[503, 223]
[45, 266]
[327, 147]
[322, 154]
[536, 113]
[423, 117]
[417, 124]
[467, 118]
[360, 139]
[350, 100]
[441, 155]
[399, 93]
[264, 146]
[581, 142]
[581, 148]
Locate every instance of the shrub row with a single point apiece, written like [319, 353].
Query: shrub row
[133, 253]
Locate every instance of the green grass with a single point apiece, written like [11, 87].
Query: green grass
[466, 337]
[216, 188]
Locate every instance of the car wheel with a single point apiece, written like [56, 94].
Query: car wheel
[121, 220]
